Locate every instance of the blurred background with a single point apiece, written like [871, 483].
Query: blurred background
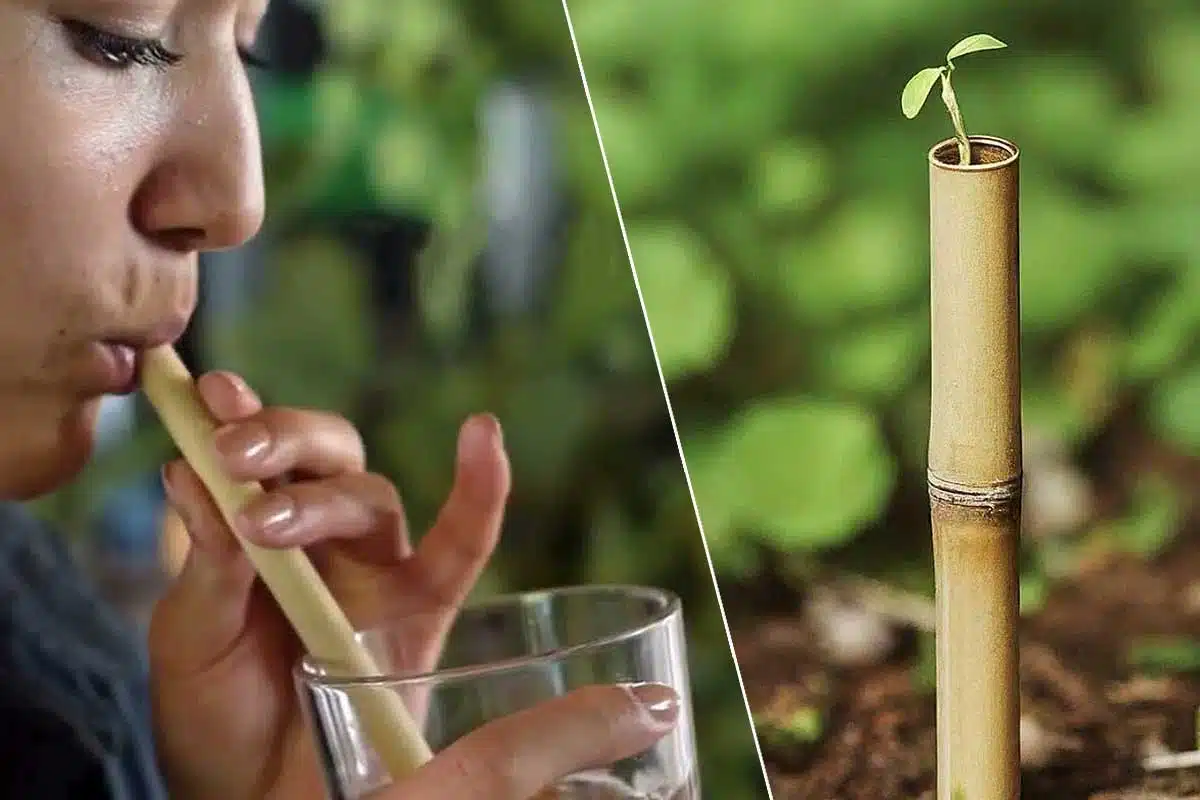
[777, 204]
[441, 240]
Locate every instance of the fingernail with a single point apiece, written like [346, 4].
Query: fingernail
[272, 516]
[476, 440]
[245, 442]
[660, 702]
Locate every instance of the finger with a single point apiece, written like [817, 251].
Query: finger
[455, 550]
[515, 757]
[227, 396]
[188, 497]
[351, 506]
[277, 441]
[203, 613]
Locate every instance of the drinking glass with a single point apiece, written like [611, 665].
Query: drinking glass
[505, 655]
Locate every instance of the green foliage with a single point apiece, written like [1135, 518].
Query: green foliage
[798, 727]
[839, 474]
[1174, 408]
[1165, 655]
[688, 293]
[924, 670]
[1151, 523]
[776, 144]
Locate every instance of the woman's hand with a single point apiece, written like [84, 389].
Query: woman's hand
[226, 715]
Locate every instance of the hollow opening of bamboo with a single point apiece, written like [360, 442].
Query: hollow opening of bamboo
[985, 151]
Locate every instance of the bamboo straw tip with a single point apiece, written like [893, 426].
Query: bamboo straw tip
[988, 152]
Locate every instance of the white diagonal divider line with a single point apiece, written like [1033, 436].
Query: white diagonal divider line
[666, 395]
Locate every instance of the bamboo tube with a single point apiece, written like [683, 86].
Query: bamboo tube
[298, 589]
[975, 466]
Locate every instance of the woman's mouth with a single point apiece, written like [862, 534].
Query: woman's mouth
[118, 367]
[118, 359]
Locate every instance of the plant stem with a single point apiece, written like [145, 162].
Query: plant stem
[960, 131]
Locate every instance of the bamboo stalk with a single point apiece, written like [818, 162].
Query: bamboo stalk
[290, 576]
[975, 466]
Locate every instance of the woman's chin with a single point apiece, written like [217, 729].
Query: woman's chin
[42, 454]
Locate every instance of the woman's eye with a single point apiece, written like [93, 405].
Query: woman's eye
[115, 51]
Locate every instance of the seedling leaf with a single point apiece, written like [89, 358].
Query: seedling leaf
[1166, 655]
[974, 44]
[916, 91]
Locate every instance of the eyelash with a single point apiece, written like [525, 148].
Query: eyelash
[115, 51]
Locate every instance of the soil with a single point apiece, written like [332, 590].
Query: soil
[876, 734]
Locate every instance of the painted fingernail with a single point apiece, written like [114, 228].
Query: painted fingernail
[476, 438]
[272, 516]
[245, 442]
[660, 702]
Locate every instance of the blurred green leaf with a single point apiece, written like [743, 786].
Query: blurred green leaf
[351, 24]
[640, 172]
[806, 473]
[800, 726]
[1174, 410]
[1070, 114]
[791, 178]
[869, 257]
[1163, 336]
[417, 34]
[924, 671]
[688, 297]
[309, 317]
[548, 420]
[1165, 655]
[1153, 521]
[407, 164]
[734, 555]
[617, 550]
[1034, 589]
[875, 360]
[1070, 262]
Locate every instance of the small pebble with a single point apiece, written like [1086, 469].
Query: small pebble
[1058, 501]
[1153, 746]
[1038, 746]
[1191, 598]
[850, 636]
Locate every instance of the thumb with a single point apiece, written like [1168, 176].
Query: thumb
[518, 756]
[203, 613]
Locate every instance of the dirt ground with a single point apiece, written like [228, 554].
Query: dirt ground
[877, 738]
[870, 730]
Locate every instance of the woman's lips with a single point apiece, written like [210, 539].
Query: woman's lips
[116, 359]
[116, 368]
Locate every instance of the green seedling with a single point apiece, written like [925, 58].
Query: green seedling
[802, 726]
[1166, 655]
[916, 91]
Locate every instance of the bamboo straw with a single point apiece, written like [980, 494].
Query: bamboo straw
[288, 574]
[975, 466]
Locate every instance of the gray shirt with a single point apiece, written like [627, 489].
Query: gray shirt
[74, 689]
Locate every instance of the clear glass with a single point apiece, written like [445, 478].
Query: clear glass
[508, 654]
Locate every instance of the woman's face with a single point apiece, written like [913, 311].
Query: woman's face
[129, 145]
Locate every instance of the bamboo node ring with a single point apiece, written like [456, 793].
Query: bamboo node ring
[961, 494]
